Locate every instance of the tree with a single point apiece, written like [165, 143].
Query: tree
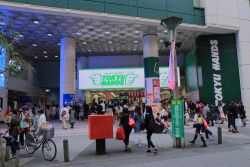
[13, 61]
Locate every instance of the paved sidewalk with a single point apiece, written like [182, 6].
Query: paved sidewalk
[82, 150]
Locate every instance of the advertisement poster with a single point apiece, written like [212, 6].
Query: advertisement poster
[68, 99]
[156, 91]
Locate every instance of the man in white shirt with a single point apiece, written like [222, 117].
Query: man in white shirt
[64, 116]
[103, 106]
[41, 122]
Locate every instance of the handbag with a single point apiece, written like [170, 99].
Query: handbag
[158, 128]
[131, 122]
[120, 135]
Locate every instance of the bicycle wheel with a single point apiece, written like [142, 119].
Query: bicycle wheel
[30, 146]
[49, 150]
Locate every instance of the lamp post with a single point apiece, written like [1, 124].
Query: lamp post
[171, 24]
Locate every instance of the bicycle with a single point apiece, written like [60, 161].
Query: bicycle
[47, 145]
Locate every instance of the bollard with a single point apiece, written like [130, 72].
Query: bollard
[1, 153]
[66, 150]
[100, 147]
[219, 135]
[17, 158]
[7, 152]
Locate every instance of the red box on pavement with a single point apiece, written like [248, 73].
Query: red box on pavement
[100, 126]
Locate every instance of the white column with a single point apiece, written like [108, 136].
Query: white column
[243, 49]
[67, 67]
[151, 69]
[82, 63]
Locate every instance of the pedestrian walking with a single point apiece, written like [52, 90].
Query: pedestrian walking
[149, 125]
[124, 122]
[24, 124]
[64, 117]
[198, 125]
[242, 113]
[72, 118]
[138, 117]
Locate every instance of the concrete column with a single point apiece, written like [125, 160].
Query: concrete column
[151, 69]
[87, 95]
[243, 52]
[82, 62]
[67, 67]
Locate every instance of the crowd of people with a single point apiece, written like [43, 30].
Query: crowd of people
[201, 115]
[20, 122]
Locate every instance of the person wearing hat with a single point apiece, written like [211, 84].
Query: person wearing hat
[24, 124]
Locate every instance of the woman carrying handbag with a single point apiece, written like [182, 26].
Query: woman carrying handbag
[124, 122]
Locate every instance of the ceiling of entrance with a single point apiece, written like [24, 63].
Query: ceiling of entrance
[40, 34]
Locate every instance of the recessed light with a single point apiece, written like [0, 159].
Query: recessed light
[111, 50]
[78, 33]
[46, 56]
[84, 43]
[135, 49]
[34, 44]
[36, 21]
[161, 41]
[44, 52]
[56, 56]
[90, 50]
[165, 31]
[47, 90]
[35, 57]
[135, 41]
[137, 32]
[110, 42]
[107, 32]
[20, 35]
[58, 44]
[49, 34]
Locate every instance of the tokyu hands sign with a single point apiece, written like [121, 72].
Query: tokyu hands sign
[118, 78]
[113, 79]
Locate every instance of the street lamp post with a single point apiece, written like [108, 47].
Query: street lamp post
[171, 24]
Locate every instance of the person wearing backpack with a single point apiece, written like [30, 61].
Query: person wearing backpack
[149, 125]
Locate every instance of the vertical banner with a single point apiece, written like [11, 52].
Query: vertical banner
[171, 70]
[177, 119]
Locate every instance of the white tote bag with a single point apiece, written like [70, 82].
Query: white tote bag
[238, 122]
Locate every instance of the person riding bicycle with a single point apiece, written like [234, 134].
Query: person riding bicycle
[13, 135]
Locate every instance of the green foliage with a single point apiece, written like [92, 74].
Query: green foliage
[14, 62]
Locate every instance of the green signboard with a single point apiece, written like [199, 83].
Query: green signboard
[219, 71]
[177, 119]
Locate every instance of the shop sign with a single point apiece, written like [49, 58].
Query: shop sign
[118, 78]
[216, 71]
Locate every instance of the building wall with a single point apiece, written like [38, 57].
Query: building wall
[235, 14]
[153, 9]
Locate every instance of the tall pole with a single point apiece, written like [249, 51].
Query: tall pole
[171, 24]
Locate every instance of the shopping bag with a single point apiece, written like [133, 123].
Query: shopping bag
[120, 135]
[238, 122]
[131, 122]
